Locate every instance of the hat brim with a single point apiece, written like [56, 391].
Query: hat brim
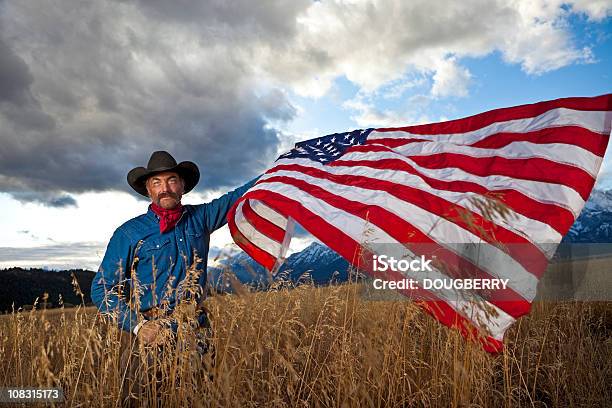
[188, 171]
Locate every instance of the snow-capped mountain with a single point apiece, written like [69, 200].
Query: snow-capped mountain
[321, 263]
[595, 221]
[600, 200]
[316, 262]
[242, 266]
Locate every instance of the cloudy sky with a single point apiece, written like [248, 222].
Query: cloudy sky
[89, 89]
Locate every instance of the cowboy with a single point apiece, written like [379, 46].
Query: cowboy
[159, 247]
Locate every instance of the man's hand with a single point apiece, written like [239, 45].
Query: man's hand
[150, 331]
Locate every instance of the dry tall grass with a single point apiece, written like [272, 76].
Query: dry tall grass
[324, 347]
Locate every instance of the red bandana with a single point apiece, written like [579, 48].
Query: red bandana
[167, 218]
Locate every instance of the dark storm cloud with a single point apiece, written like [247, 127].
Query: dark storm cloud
[15, 77]
[49, 199]
[85, 255]
[87, 93]
[47, 252]
[16, 99]
[268, 19]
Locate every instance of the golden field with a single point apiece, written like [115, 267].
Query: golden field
[313, 346]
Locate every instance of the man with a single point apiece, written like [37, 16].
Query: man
[156, 249]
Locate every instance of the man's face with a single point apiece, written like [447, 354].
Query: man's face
[166, 189]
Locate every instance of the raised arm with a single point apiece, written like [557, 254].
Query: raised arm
[106, 286]
[216, 211]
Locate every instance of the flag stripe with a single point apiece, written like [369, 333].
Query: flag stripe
[529, 256]
[542, 191]
[389, 214]
[557, 152]
[535, 231]
[527, 169]
[595, 143]
[530, 198]
[261, 256]
[395, 141]
[346, 222]
[569, 155]
[590, 113]
[262, 224]
[268, 213]
[262, 241]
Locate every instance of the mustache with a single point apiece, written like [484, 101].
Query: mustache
[164, 195]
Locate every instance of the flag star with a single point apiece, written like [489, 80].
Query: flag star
[346, 136]
[333, 140]
[318, 142]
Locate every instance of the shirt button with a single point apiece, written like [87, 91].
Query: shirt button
[181, 239]
[158, 245]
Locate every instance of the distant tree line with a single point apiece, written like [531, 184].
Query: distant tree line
[20, 287]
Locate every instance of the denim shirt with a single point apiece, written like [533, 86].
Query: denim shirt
[138, 244]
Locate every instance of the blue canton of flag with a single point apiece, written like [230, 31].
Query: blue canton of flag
[327, 148]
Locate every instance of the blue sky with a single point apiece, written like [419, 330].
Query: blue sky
[232, 88]
[494, 83]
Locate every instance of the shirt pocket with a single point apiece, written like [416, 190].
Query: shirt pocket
[154, 254]
[196, 243]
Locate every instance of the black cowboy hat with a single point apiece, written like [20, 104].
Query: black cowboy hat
[159, 162]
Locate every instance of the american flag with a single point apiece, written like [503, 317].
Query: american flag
[511, 181]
